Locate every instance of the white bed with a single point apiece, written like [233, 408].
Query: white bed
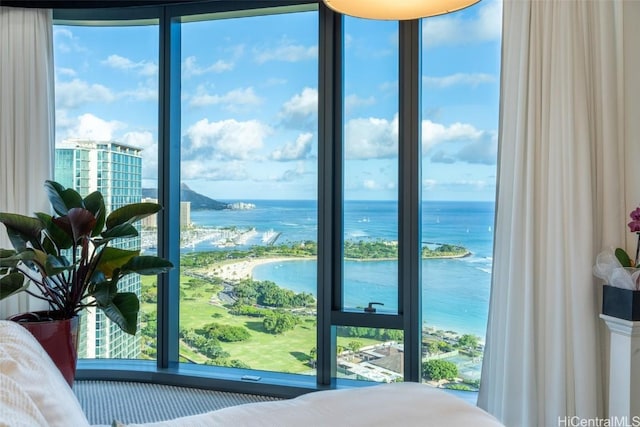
[33, 393]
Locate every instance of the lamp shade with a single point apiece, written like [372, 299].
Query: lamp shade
[396, 9]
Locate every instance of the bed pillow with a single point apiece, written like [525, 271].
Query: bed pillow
[26, 366]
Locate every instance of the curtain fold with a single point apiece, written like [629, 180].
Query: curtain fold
[26, 120]
[560, 201]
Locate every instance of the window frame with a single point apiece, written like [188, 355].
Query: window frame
[166, 369]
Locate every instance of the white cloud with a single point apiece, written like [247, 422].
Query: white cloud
[483, 150]
[371, 138]
[478, 146]
[286, 51]
[370, 184]
[472, 80]
[231, 100]
[291, 175]
[391, 86]
[144, 68]
[436, 133]
[429, 184]
[376, 138]
[477, 184]
[77, 92]
[225, 140]
[141, 94]
[191, 68]
[62, 33]
[442, 157]
[301, 109]
[65, 41]
[227, 171]
[352, 102]
[451, 30]
[299, 149]
[66, 71]
[88, 126]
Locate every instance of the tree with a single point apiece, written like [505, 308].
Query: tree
[468, 341]
[226, 333]
[277, 322]
[354, 346]
[433, 347]
[439, 370]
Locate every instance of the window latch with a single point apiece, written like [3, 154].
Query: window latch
[371, 308]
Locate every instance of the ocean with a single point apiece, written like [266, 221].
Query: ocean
[455, 292]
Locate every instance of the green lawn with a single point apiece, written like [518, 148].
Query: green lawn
[287, 352]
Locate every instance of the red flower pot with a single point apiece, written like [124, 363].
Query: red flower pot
[59, 338]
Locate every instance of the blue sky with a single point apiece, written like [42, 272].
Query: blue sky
[249, 102]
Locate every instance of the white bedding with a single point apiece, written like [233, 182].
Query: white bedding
[34, 393]
[398, 404]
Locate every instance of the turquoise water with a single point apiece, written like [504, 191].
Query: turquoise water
[455, 292]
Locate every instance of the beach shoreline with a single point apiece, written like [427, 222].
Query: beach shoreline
[243, 269]
[236, 270]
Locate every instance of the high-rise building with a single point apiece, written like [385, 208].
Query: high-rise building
[185, 214]
[115, 170]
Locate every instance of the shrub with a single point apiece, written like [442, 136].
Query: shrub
[439, 370]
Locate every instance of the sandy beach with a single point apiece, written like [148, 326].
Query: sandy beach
[237, 270]
[243, 269]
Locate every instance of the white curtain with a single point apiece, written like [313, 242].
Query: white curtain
[26, 120]
[563, 176]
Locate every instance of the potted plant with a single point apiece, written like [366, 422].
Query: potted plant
[621, 292]
[68, 259]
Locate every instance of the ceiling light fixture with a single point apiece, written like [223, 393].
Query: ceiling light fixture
[396, 10]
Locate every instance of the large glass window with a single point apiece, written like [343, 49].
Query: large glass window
[370, 165]
[249, 191]
[106, 139]
[246, 86]
[460, 81]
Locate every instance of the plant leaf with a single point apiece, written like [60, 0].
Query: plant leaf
[56, 238]
[94, 203]
[55, 265]
[114, 258]
[62, 199]
[131, 213]
[123, 311]
[104, 292]
[8, 259]
[623, 258]
[146, 265]
[12, 283]
[22, 229]
[82, 222]
[122, 230]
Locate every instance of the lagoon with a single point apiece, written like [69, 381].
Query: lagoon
[455, 292]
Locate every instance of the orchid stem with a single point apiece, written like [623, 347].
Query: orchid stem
[637, 251]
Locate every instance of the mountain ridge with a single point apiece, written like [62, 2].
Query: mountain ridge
[198, 201]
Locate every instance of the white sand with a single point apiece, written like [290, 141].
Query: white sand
[244, 269]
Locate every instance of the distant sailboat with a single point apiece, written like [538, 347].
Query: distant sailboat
[438, 220]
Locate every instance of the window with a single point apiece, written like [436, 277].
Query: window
[106, 123]
[370, 164]
[249, 211]
[249, 188]
[460, 76]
